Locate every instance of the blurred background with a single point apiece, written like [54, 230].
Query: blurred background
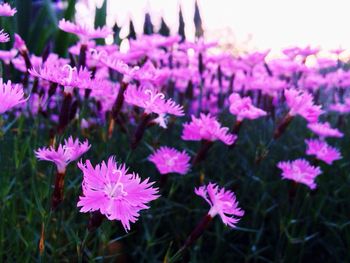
[247, 25]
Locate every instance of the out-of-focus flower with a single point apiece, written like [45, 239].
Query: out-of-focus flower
[6, 10]
[115, 193]
[20, 44]
[222, 202]
[170, 160]
[4, 37]
[7, 55]
[120, 66]
[207, 128]
[243, 108]
[322, 151]
[301, 103]
[10, 95]
[324, 130]
[300, 171]
[70, 151]
[83, 31]
[148, 74]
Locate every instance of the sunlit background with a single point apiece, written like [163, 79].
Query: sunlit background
[244, 24]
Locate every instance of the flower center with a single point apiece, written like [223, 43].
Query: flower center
[153, 97]
[116, 190]
[70, 72]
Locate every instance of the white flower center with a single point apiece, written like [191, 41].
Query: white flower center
[153, 97]
[116, 190]
[70, 72]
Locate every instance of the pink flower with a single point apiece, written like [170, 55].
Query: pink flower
[113, 191]
[322, 151]
[20, 44]
[4, 37]
[10, 95]
[300, 171]
[6, 10]
[222, 202]
[84, 32]
[301, 103]
[148, 74]
[206, 128]
[70, 151]
[170, 160]
[120, 66]
[243, 108]
[325, 130]
[66, 75]
[153, 102]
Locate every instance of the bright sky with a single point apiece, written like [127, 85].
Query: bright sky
[266, 23]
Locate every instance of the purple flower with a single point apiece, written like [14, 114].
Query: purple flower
[300, 171]
[222, 202]
[322, 151]
[117, 194]
[153, 101]
[207, 128]
[10, 95]
[325, 130]
[301, 103]
[243, 108]
[70, 151]
[66, 75]
[6, 10]
[170, 160]
[4, 37]
[83, 31]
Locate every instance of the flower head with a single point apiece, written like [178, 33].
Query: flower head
[170, 160]
[70, 151]
[4, 37]
[153, 102]
[243, 108]
[324, 130]
[222, 202]
[6, 10]
[322, 151]
[207, 128]
[10, 95]
[83, 31]
[300, 171]
[113, 191]
[301, 103]
[63, 75]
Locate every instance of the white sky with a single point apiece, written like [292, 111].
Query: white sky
[267, 23]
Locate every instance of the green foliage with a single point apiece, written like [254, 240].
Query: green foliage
[275, 227]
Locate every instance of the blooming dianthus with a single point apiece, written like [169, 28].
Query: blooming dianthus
[207, 128]
[6, 10]
[83, 31]
[300, 171]
[325, 130]
[222, 202]
[110, 189]
[243, 108]
[4, 37]
[301, 103]
[322, 151]
[10, 95]
[153, 101]
[70, 151]
[170, 160]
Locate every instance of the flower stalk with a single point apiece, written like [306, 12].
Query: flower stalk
[57, 195]
[202, 152]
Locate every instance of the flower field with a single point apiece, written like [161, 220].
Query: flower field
[171, 151]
